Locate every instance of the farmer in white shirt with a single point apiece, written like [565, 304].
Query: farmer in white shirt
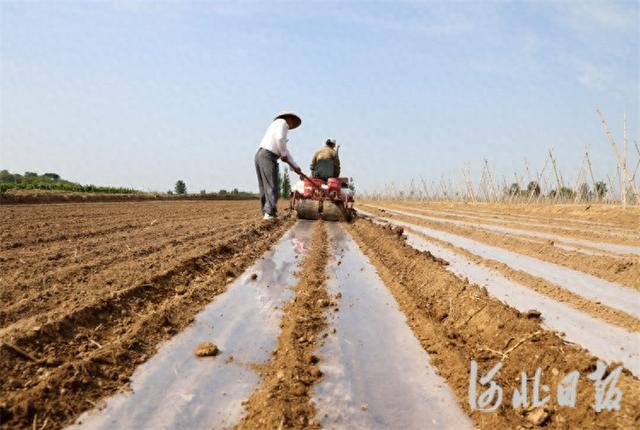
[272, 147]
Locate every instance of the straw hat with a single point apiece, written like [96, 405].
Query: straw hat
[286, 113]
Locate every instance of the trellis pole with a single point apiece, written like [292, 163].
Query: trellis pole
[467, 178]
[593, 181]
[621, 160]
[635, 171]
[539, 176]
[559, 185]
[426, 189]
[624, 160]
[491, 181]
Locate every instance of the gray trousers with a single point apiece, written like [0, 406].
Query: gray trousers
[268, 180]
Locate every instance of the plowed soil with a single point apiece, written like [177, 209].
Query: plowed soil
[283, 399]
[624, 270]
[457, 322]
[87, 291]
[596, 309]
[564, 215]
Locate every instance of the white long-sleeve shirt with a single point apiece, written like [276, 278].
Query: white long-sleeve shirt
[275, 139]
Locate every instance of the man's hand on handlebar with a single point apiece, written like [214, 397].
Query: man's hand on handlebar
[296, 169]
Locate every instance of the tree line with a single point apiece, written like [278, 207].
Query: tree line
[51, 181]
[180, 188]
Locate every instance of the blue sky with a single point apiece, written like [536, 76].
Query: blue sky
[144, 93]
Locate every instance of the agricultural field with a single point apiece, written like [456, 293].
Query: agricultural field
[415, 315]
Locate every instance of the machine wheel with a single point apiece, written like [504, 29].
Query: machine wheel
[308, 209]
[333, 212]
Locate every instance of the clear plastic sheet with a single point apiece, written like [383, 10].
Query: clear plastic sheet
[610, 247]
[582, 284]
[377, 375]
[606, 341]
[177, 390]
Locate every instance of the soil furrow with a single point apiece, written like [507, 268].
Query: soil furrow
[571, 220]
[610, 247]
[624, 271]
[87, 231]
[116, 271]
[91, 351]
[599, 215]
[537, 282]
[457, 322]
[563, 228]
[283, 398]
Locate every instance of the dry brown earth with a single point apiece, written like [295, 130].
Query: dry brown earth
[457, 322]
[89, 290]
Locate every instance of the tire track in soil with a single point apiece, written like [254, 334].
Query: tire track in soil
[456, 322]
[623, 270]
[91, 352]
[283, 398]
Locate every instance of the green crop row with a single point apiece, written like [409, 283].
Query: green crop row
[64, 186]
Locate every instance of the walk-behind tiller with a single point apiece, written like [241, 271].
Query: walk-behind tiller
[330, 200]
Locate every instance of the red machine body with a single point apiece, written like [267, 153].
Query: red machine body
[331, 190]
[331, 200]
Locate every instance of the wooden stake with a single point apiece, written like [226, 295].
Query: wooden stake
[612, 188]
[624, 160]
[621, 161]
[593, 181]
[635, 171]
[467, 176]
[559, 185]
[540, 174]
[425, 188]
[491, 181]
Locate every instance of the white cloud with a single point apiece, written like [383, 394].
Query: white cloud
[594, 16]
[429, 18]
[593, 76]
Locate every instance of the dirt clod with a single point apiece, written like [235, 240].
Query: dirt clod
[88, 295]
[283, 399]
[482, 328]
[206, 349]
[538, 416]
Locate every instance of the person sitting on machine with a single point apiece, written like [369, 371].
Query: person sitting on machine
[326, 162]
